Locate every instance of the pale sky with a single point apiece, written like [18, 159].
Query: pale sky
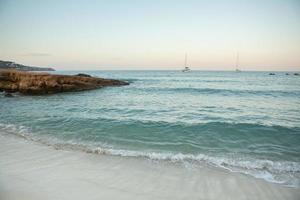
[152, 34]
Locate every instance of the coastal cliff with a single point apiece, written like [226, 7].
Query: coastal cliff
[32, 83]
[12, 65]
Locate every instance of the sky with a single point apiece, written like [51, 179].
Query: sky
[152, 34]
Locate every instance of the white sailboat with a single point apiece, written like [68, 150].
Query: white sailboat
[186, 68]
[237, 63]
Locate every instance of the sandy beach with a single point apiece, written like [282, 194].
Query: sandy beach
[29, 170]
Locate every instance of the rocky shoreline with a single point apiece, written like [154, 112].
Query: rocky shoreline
[33, 83]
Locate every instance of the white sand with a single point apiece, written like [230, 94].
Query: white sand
[29, 170]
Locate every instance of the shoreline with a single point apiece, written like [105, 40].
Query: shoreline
[187, 160]
[30, 170]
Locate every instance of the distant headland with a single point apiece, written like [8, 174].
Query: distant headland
[13, 65]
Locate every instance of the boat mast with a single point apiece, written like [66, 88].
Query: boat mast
[237, 61]
[185, 60]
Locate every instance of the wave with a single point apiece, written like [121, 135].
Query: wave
[131, 80]
[280, 171]
[219, 91]
[179, 79]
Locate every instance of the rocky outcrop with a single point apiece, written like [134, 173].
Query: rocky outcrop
[83, 75]
[12, 65]
[33, 83]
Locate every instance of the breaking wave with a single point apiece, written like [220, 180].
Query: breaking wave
[282, 172]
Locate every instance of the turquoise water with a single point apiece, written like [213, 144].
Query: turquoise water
[245, 122]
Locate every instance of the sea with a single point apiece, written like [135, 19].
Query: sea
[247, 122]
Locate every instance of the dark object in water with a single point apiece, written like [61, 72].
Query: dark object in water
[83, 75]
[7, 94]
[271, 74]
[296, 74]
[287, 74]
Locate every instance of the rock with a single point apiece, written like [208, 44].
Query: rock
[271, 74]
[32, 83]
[296, 74]
[83, 75]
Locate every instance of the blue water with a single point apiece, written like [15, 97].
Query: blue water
[245, 122]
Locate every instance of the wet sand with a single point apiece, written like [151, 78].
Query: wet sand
[29, 170]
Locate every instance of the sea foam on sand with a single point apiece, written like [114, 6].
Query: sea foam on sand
[29, 170]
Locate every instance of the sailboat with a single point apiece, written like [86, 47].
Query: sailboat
[237, 63]
[186, 68]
